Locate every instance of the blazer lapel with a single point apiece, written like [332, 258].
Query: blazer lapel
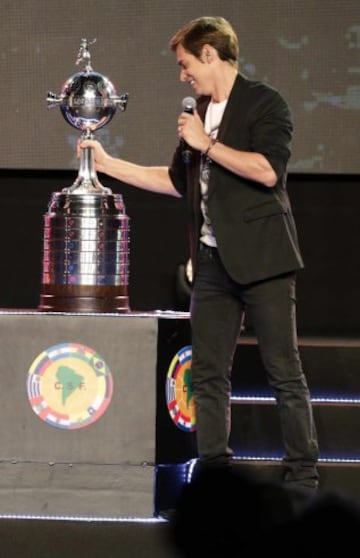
[233, 105]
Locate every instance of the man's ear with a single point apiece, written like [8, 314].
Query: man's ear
[207, 53]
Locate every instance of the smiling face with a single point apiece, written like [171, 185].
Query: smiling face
[195, 71]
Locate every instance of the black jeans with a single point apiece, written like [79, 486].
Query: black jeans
[218, 307]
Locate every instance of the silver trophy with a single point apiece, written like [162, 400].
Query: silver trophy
[86, 231]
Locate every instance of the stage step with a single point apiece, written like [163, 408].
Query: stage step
[331, 365]
[335, 476]
[256, 429]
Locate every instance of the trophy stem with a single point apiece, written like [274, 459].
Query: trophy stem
[87, 181]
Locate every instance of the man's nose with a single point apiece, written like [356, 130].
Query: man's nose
[182, 75]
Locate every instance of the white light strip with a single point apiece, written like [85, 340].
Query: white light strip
[326, 460]
[83, 518]
[131, 314]
[270, 399]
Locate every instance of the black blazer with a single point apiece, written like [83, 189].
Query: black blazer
[253, 224]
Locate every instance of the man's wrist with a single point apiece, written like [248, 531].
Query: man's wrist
[210, 146]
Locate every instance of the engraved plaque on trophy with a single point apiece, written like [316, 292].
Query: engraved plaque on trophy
[86, 230]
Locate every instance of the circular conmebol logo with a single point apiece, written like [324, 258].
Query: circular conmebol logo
[69, 386]
[179, 397]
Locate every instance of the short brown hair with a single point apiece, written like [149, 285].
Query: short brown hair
[214, 31]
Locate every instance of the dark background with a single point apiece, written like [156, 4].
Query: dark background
[326, 209]
[309, 50]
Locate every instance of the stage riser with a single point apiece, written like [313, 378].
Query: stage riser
[77, 490]
[105, 468]
[109, 467]
[126, 431]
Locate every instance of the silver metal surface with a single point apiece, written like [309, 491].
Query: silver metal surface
[88, 101]
[86, 241]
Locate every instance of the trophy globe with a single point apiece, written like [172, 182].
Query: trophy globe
[88, 101]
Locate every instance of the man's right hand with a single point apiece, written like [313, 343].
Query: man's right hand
[100, 155]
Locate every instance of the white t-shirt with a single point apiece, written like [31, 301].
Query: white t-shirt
[213, 117]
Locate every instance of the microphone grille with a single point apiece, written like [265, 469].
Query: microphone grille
[188, 104]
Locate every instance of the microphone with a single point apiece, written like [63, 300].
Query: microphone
[188, 105]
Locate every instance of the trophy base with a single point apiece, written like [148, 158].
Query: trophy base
[85, 254]
[84, 298]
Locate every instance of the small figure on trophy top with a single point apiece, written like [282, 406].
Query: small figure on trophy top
[84, 54]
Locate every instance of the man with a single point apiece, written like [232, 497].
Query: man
[243, 239]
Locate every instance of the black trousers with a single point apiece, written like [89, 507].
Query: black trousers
[218, 307]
